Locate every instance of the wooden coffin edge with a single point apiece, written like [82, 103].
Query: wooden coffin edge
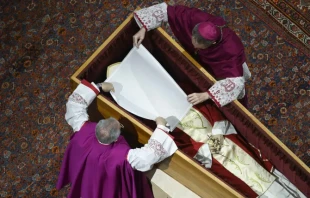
[179, 166]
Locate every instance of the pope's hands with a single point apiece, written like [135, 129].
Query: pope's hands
[107, 87]
[138, 37]
[161, 121]
[215, 143]
[196, 98]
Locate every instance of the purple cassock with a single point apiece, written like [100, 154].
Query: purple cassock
[96, 170]
[224, 59]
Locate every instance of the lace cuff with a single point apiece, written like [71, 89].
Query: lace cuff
[165, 140]
[151, 17]
[158, 148]
[227, 90]
[77, 98]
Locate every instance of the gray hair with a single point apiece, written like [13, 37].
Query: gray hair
[199, 39]
[108, 130]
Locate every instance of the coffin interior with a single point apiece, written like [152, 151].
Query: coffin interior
[182, 68]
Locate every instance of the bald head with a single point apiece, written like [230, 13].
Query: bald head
[108, 130]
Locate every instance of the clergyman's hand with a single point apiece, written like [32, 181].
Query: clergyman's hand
[106, 87]
[161, 121]
[138, 37]
[215, 143]
[196, 98]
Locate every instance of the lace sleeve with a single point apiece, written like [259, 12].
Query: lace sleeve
[159, 147]
[77, 98]
[227, 90]
[151, 17]
[78, 102]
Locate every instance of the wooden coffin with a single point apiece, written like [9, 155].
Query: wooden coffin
[182, 168]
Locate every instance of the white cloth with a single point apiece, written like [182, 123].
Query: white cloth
[246, 72]
[159, 147]
[144, 88]
[204, 156]
[223, 127]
